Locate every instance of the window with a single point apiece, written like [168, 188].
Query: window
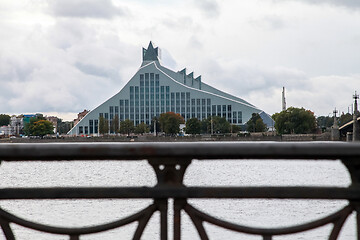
[122, 110]
[239, 117]
[86, 130]
[106, 116]
[81, 131]
[91, 126]
[234, 117]
[111, 110]
[126, 109]
[96, 125]
[213, 110]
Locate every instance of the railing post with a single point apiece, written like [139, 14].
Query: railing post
[179, 204]
[162, 205]
[170, 172]
[353, 165]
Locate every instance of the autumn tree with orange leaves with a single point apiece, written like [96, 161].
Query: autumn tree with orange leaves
[170, 122]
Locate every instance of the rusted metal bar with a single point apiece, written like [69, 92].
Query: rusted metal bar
[199, 150]
[181, 192]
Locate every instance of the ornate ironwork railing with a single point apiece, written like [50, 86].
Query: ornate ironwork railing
[169, 161]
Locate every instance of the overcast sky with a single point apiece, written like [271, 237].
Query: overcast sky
[63, 56]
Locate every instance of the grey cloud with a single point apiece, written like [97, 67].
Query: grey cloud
[270, 22]
[210, 8]
[350, 4]
[85, 8]
[167, 59]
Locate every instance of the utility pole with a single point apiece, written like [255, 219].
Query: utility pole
[356, 134]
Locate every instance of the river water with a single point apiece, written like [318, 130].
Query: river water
[259, 213]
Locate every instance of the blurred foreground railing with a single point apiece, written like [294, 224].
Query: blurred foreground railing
[169, 161]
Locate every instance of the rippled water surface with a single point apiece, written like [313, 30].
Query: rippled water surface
[259, 213]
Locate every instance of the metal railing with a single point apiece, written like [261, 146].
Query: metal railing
[169, 161]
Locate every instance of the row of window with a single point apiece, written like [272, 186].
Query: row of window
[94, 124]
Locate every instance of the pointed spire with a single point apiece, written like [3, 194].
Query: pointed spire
[151, 53]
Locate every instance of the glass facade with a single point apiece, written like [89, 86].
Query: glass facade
[149, 98]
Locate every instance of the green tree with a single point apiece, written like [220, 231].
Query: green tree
[38, 127]
[235, 128]
[324, 122]
[4, 120]
[103, 125]
[193, 126]
[256, 124]
[220, 124]
[345, 118]
[205, 125]
[216, 123]
[142, 128]
[295, 121]
[127, 126]
[170, 122]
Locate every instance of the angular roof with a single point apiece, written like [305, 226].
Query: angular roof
[151, 53]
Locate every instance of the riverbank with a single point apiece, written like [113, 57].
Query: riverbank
[150, 138]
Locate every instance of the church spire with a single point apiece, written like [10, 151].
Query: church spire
[151, 53]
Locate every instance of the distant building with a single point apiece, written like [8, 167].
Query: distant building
[81, 115]
[54, 121]
[17, 125]
[5, 131]
[155, 89]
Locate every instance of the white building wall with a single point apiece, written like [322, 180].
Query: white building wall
[124, 104]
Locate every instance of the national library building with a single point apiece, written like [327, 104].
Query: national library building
[155, 89]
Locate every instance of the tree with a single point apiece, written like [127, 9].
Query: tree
[4, 120]
[256, 124]
[205, 125]
[216, 123]
[38, 127]
[127, 126]
[170, 122]
[193, 126]
[345, 118]
[324, 122]
[235, 128]
[295, 121]
[220, 124]
[142, 128]
[103, 125]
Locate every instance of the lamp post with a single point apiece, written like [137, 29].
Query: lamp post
[356, 135]
[335, 133]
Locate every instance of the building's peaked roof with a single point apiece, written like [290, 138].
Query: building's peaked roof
[151, 53]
